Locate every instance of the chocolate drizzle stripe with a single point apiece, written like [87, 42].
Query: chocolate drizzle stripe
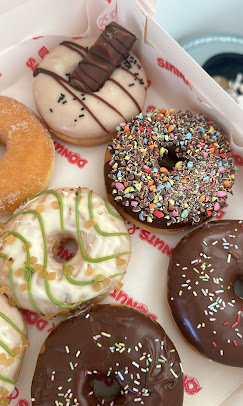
[127, 93]
[131, 73]
[60, 80]
[90, 94]
[108, 105]
[72, 45]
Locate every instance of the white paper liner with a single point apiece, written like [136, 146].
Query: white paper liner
[170, 85]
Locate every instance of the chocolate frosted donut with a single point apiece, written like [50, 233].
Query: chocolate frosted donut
[168, 171]
[204, 269]
[117, 344]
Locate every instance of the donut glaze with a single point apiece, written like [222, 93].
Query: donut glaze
[120, 343]
[202, 273]
[31, 237]
[13, 342]
[168, 171]
[27, 165]
[86, 118]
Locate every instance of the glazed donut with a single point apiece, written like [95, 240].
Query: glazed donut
[168, 171]
[39, 282]
[203, 270]
[27, 166]
[13, 342]
[86, 118]
[122, 346]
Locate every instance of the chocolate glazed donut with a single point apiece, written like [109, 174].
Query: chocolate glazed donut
[205, 269]
[125, 347]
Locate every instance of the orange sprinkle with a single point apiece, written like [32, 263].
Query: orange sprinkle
[125, 184]
[211, 150]
[118, 286]
[171, 128]
[202, 210]
[167, 112]
[49, 316]
[227, 183]
[97, 287]
[152, 206]
[163, 169]
[126, 128]
[51, 276]
[150, 183]
[165, 178]
[23, 287]
[55, 204]
[154, 137]
[121, 261]
[152, 188]
[151, 147]
[142, 197]
[202, 198]
[3, 289]
[183, 181]
[162, 110]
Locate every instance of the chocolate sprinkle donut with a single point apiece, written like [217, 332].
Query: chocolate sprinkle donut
[169, 170]
[114, 343]
[202, 278]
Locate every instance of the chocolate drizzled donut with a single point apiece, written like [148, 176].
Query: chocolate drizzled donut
[204, 268]
[123, 345]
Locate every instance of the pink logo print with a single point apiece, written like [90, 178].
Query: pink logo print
[13, 395]
[22, 402]
[150, 108]
[132, 228]
[43, 51]
[238, 160]
[191, 385]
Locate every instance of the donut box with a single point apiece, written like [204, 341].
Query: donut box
[174, 81]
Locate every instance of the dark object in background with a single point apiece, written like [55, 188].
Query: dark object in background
[225, 64]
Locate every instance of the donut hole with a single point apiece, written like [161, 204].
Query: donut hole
[64, 249]
[2, 150]
[104, 388]
[238, 288]
[170, 159]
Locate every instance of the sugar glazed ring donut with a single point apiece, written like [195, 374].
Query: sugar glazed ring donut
[168, 171]
[30, 238]
[86, 118]
[204, 268]
[13, 342]
[124, 347]
[27, 166]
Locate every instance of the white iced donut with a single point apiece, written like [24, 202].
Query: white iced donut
[29, 240]
[81, 118]
[13, 342]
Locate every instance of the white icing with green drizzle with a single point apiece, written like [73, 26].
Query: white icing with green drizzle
[81, 215]
[12, 334]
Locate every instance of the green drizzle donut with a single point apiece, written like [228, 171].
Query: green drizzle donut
[36, 279]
